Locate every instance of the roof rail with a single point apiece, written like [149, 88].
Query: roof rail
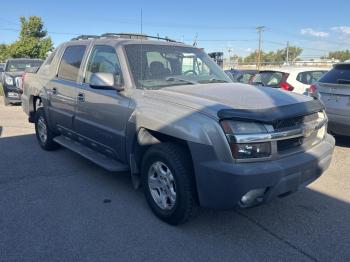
[136, 36]
[123, 35]
[84, 37]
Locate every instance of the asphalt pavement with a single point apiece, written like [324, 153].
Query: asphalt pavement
[57, 206]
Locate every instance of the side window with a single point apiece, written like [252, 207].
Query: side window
[71, 61]
[310, 77]
[103, 59]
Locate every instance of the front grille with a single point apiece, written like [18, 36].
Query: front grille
[289, 144]
[18, 82]
[294, 143]
[294, 122]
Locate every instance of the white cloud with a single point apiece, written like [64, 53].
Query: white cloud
[310, 31]
[341, 29]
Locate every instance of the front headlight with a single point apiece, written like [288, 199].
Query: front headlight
[246, 150]
[9, 80]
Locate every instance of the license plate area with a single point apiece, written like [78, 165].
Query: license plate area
[12, 94]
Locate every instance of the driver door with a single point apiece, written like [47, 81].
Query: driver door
[102, 114]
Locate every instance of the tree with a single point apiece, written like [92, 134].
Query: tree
[341, 55]
[33, 41]
[278, 56]
[4, 54]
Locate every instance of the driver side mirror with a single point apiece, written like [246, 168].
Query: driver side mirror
[106, 81]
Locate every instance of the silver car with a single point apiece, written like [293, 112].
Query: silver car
[334, 91]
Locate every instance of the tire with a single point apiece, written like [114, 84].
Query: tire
[43, 132]
[6, 102]
[167, 157]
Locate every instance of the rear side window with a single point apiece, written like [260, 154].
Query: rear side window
[310, 77]
[244, 78]
[340, 74]
[268, 78]
[71, 61]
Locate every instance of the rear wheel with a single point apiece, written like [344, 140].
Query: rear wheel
[43, 132]
[168, 183]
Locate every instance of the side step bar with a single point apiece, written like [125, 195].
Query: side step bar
[96, 157]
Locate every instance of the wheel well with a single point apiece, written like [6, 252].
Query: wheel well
[149, 138]
[35, 103]
[146, 138]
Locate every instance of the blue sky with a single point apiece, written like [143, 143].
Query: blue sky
[313, 25]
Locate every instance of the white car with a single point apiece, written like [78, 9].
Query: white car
[296, 79]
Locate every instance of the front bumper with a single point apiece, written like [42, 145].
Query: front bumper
[339, 124]
[12, 94]
[222, 185]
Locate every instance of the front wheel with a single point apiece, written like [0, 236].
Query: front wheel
[168, 183]
[43, 132]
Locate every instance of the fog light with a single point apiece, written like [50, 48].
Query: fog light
[253, 197]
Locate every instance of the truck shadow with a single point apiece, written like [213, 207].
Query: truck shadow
[342, 141]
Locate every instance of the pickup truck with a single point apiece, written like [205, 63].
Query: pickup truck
[11, 76]
[168, 115]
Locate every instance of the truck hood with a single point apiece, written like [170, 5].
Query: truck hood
[15, 74]
[214, 98]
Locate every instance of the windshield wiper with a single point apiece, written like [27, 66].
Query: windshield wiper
[214, 80]
[174, 78]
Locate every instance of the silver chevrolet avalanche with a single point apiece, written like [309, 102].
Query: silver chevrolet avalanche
[167, 114]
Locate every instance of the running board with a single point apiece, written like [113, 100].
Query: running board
[96, 157]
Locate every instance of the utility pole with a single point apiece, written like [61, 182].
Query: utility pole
[260, 30]
[229, 57]
[287, 53]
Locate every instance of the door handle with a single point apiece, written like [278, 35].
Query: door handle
[81, 97]
[54, 91]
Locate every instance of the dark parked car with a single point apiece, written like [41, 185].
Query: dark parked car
[241, 76]
[334, 91]
[11, 77]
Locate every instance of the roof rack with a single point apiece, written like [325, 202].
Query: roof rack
[85, 37]
[123, 35]
[136, 36]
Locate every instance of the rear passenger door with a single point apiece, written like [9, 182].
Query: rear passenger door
[63, 89]
[102, 114]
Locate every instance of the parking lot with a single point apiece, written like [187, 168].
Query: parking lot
[57, 206]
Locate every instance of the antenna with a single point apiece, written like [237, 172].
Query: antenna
[141, 50]
[195, 40]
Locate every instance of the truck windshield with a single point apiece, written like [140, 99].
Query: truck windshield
[158, 66]
[21, 65]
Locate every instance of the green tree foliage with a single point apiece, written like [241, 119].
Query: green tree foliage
[4, 54]
[341, 55]
[278, 56]
[33, 41]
